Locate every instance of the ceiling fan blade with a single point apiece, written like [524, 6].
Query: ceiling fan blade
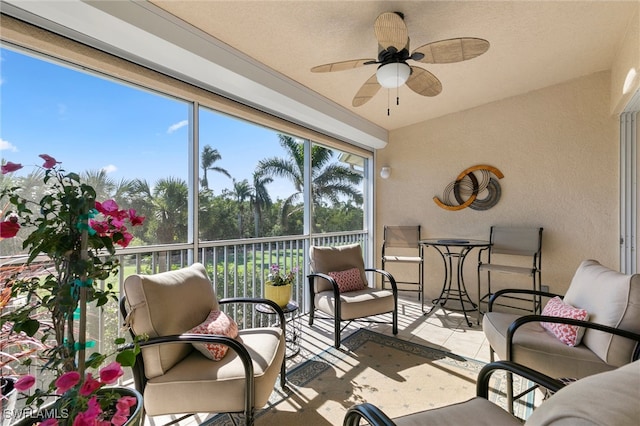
[341, 66]
[366, 92]
[390, 30]
[423, 82]
[452, 50]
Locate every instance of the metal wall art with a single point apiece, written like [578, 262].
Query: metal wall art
[471, 183]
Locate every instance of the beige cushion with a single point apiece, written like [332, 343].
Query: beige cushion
[477, 411]
[611, 398]
[537, 348]
[197, 384]
[356, 304]
[612, 299]
[331, 259]
[165, 304]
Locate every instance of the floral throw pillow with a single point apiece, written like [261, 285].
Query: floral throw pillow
[570, 335]
[219, 323]
[348, 280]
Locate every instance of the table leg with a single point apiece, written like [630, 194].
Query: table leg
[460, 293]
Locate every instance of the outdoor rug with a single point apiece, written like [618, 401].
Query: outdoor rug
[398, 376]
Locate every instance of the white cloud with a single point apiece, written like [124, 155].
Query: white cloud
[109, 168]
[177, 126]
[7, 146]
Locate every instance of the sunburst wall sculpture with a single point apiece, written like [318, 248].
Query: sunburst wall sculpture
[469, 185]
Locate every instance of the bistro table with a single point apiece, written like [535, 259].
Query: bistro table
[458, 248]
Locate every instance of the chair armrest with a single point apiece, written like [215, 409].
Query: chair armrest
[255, 300]
[507, 291]
[587, 324]
[372, 414]
[389, 277]
[482, 385]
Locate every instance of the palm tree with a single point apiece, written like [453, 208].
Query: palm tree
[102, 183]
[208, 158]
[241, 191]
[165, 205]
[260, 198]
[331, 181]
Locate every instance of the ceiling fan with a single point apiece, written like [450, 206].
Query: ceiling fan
[393, 54]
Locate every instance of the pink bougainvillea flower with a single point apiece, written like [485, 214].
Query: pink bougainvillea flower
[49, 422]
[93, 407]
[135, 220]
[118, 419]
[83, 419]
[129, 401]
[24, 383]
[100, 227]
[9, 228]
[110, 373]
[103, 423]
[67, 381]
[117, 222]
[10, 167]
[49, 161]
[89, 386]
[108, 207]
[125, 240]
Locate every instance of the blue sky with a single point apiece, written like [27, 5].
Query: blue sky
[90, 123]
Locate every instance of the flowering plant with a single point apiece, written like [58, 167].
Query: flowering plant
[81, 403]
[279, 278]
[71, 246]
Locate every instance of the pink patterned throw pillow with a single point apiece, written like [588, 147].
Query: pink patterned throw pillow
[348, 280]
[219, 323]
[570, 335]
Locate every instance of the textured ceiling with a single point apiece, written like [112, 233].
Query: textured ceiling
[534, 44]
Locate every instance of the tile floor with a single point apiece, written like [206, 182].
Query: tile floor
[441, 328]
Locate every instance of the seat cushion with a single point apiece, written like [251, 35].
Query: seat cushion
[616, 393]
[537, 348]
[165, 304]
[612, 299]
[356, 304]
[198, 384]
[331, 259]
[483, 413]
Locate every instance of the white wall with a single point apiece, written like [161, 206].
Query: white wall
[558, 150]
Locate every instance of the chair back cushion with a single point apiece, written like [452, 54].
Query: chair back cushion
[609, 398]
[611, 298]
[165, 304]
[516, 241]
[335, 259]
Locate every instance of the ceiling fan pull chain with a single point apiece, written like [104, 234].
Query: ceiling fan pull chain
[397, 95]
[388, 108]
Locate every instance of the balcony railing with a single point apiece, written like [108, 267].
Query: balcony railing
[237, 268]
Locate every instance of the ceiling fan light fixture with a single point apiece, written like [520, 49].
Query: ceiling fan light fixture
[393, 75]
